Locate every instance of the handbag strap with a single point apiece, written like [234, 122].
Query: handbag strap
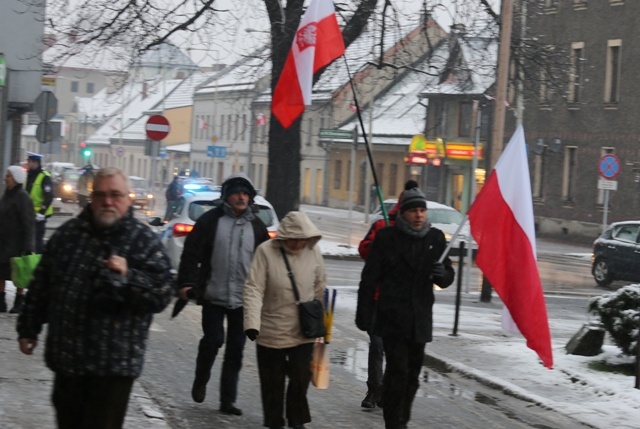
[290, 275]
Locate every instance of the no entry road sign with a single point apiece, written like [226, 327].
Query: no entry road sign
[157, 127]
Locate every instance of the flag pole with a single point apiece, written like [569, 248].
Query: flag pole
[453, 238]
[366, 143]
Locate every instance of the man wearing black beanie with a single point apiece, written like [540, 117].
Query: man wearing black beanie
[376, 354]
[395, 299]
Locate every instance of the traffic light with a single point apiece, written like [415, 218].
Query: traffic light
[85, 151]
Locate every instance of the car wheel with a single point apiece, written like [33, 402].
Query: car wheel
[601, 272]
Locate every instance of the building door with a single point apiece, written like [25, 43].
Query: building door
[457, 191]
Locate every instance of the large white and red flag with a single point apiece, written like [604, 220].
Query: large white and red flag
[316, 44]
[502, 224]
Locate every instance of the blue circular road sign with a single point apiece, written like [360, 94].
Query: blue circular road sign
[609, 166]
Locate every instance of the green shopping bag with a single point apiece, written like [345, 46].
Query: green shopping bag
[22, 268]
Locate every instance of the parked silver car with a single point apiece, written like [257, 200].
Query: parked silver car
[198, 199]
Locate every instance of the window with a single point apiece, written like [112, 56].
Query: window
[464, 119]
[337, 175]
[243, 126]
[538, 174]
[551, 6]
[544, 94]
[90, 87]
[393, 179]
[612, 72]
[221, 126]
[310, 132]
[627, 233]
[579, 4]
[74, 85]
[380, 173]
[569, 174]
[576, 72]
[603, 151]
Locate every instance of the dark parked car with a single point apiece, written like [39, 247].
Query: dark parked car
[616, 254]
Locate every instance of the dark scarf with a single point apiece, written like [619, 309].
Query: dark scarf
[404, 226]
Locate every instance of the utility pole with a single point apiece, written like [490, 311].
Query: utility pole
[506, 24]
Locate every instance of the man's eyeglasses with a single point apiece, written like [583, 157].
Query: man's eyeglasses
[115, 195]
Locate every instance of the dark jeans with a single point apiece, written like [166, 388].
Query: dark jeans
[41, 227]
[273, 366]
[83, 402]
[376, 354]
[213, 329]
[401, 379]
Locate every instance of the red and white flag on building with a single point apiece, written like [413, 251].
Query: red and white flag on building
[353, 107]
[502, 224]
[316, 44]
[202, 124]
[261, 120]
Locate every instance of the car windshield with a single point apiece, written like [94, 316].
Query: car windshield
[138, 183]
[198, 208]
[444, 216]
[71, 176]
[266, 215]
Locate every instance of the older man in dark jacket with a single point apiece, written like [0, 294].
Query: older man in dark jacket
[101, 277]
[213, 267]
[404, 263]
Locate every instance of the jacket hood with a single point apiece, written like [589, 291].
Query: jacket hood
[298, 225]
[238, 182]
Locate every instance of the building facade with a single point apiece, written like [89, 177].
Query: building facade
[595, 113]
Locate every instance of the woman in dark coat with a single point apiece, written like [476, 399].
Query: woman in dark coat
[17, 230]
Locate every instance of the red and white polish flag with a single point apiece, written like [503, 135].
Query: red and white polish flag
[317, 42]
[502, 224]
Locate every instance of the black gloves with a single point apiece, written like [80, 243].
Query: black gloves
[251, 334]
[438, 271]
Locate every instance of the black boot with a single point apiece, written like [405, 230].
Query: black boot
[3, 303]
[369, 400]
[18, 304]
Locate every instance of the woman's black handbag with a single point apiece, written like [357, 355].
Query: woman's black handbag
[311, 313]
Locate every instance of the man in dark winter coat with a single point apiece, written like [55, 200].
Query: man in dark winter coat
[213, 267]
[101, 277]
[376, 354]
[403, 265]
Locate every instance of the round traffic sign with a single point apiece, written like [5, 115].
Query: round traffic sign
[120, 151]
[157, 127]
[609, 166]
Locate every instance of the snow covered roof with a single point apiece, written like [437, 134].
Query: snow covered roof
[166, 55]
[242, 75]
[104, 58]
[474, 71]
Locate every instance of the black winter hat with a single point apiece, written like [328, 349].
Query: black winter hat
[237, 184]
[412, 198]
[410, 184]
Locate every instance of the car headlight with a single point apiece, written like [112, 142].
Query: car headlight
[448, 236]
[149, 196]
[67, 188]
[132, 195]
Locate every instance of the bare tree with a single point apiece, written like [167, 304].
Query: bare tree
[140, 25]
